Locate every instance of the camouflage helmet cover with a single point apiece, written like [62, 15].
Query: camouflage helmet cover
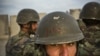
[57, 28]
[26, 15]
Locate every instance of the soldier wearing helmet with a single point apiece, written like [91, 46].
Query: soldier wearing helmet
[90, 16]
[57, 35]
[22, 44]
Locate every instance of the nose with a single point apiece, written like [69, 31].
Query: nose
[64, 50]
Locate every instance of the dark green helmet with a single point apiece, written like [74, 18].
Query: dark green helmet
[26, 15]
[91, 10]
[58, 28]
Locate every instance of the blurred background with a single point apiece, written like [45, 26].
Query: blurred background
[10, 8]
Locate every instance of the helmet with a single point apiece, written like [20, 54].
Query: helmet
[26, 15]
[90, 11]
[57, 28]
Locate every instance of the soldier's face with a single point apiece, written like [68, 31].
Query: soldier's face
[34, 26]
[68, 49]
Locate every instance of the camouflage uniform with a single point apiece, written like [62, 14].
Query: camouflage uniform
[22, 44]
[90, 45]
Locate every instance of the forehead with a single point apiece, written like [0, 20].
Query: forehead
[32, 22]
[62, 43]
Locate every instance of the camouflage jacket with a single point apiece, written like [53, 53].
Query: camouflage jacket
[20, 45]
[90, 45]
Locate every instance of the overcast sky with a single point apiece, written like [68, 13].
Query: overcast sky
[14, 6]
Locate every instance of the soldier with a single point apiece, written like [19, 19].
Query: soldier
[90, 15]
[22, 44]
[57, 35]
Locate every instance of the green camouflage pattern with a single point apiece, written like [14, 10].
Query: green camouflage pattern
[27, 15]
[20, 45]
[90, 46]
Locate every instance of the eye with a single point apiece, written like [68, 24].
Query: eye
[54, 45]
[71, 44]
